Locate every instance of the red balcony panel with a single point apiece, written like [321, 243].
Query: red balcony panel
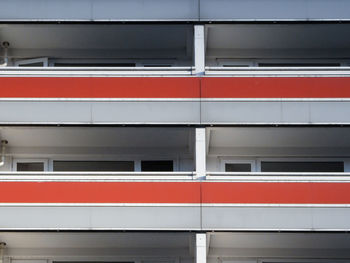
[275, 87]
[175, 87]
[99, 192]
[275, 193]
[175, 192]
[99, 87]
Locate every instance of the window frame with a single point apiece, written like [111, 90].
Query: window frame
[299, 159]
[225, 161]
[15, 161]
[44, 60]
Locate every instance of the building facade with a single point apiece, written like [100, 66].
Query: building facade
[162, 131]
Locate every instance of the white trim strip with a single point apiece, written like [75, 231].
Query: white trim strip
[228, 205]
[152, 228]
[263, 177]
[275, 99]
[175, 99]
[95, 71]
[279, 205]
[100, 204]
[101, 99]
[277, 229]
[97, 176]
[278, 71]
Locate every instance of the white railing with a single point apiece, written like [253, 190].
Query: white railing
[174, 71]
[96, 176]
[175, 176]
[278, 71]
[96, 71]
[277, 177]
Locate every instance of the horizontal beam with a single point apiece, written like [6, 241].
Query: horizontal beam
[168, 10]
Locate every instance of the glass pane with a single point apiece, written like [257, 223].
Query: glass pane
[95, 64]
[157, 166]
[302, 167]
[93, 166]
[30, 167]
[238, 167]
[35, 64]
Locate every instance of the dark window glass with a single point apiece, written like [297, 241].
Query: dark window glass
[95, 64]
[36, 64]
[157, 65]
[93, 166]
[302, 167]
[30, 167]
[238, 167]
[236, 65]
[299, 64]
[157, 166]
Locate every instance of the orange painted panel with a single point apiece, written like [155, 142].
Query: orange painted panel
[91, 87]
[174, 87]
[275, 87]
[276, 193]
[175, 192]
[99, 192]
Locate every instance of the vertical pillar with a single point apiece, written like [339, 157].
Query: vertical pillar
[199, 49]
[2, 248]
[200, 152]
[201, 248]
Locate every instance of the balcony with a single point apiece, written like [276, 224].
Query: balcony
[175, 74]
[175, 201]
[183, 178]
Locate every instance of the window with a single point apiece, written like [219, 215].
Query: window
[238, 165]
[157, 65]
[296, 64]
[30, 165]
[93, 64]
[302, 166]
[235, 63]
[157, 166]
[93, 166]
[34, 62]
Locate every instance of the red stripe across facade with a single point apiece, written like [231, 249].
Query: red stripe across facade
[175, 192]
[175, 87]
[99, 192]
[276, 193]
[91, 87]
[274, 87]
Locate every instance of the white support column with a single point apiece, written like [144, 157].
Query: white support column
[199, 49]
[200, 152]
[2, 251]
[201, 248]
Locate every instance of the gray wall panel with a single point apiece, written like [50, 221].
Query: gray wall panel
[45, 9]
[145, 10]
[146, 112]
[175, 112]
[333, 112]
[98, 10]
[90, 10]
[177, 218]
[146, 217]
[240, 112]
[337, 218]
[275, 218]
[274, 9]
[295, 112]
[275, 112]
[45, 112]
[44, 217]
[27, 112]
